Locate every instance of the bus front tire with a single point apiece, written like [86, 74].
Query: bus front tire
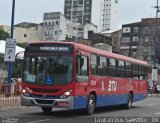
[91, 104]
[46, 109]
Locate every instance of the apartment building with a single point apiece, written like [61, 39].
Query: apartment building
[58, 28]
[78, 10]
[102, 13]
[138, 39]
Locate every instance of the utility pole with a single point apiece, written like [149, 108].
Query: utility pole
[155, 37]
[12, 29]
[154, 69]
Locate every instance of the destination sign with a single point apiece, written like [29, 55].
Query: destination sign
[51, 48]
[55, 48]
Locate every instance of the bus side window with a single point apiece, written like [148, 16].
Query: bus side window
[94, 64]
[128, 73]
[141, 72]
[145, 69]
[82, 68]
[135, 71]
[102, 66]
[120, 68]
[111, 71]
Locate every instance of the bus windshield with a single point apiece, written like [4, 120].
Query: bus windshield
[48, 70]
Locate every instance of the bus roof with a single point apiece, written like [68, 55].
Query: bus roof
[98, 51]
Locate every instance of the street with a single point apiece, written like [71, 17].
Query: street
[140, 112]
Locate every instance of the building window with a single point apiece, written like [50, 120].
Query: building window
[135, 29]
[116, 1]
[135, 39]
[57, 22]
[74, 28]
[25, 35]
[80, 2]
[126, 29]
[45, 23]
[146, 29]
[87, 2]
[86, 18]
[146, 39]
[87, 8]
[45, 32]
[49, 32]
[126, 40]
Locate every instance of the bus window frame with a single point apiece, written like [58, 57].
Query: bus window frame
[95, 65]
[82, 78]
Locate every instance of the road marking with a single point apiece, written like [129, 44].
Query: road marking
[151, 104]
[158, 113]
[38, 121]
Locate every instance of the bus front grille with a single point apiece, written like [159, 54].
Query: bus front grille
[39, 101]
[41, 90]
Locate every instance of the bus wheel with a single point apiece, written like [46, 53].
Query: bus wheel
[128, 105]
[91, 104]
[46, 109]
[130, 101]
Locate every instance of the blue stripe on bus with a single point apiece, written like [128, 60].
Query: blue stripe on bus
[111, 100]
[106, 100]
[80, 102]
[138, 97]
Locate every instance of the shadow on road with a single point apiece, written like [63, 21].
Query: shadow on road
[78, 113]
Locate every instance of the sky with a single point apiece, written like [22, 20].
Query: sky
[129, 11]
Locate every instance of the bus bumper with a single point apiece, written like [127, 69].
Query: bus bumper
[44, 102]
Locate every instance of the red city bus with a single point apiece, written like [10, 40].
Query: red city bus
[74, 76]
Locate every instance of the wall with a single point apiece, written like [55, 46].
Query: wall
[32, 34]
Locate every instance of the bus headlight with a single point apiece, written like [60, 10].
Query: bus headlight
[24, 91]
[66, 94]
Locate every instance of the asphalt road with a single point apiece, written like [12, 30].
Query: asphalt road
[147, 110]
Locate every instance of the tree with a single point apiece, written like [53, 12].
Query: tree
[3, 35]
[23, 45]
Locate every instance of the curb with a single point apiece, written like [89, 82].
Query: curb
[154, 95]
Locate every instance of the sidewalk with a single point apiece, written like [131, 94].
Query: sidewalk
[154, 95]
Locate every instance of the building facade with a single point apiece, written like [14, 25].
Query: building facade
[115, 36]
[78, 10]
[26, 32]
[108, 15]
[102, 13]
[99, 38]
[58, 28]
[138, 39]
